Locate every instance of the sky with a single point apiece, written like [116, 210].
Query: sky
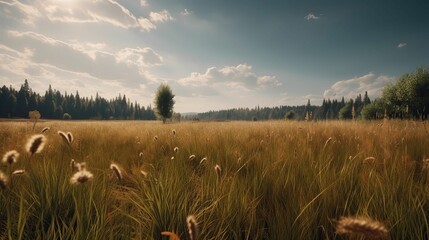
[214, 54]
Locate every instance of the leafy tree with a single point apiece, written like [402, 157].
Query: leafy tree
[418, 88]
[290, 115]
[409, 96]
[374, 110]
[67, 116]
[164, 102]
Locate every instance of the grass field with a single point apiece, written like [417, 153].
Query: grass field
[277, 180]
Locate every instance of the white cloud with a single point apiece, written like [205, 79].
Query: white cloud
[401, 45]
[128, 66]
[16, 66]
[196, 78]
[239, 77]
[26, 13]
[84, 11]
[162, 16]
[144, 3]
[110, 12]
[268, 81]
[311, 16]
[186, 12]
[142, 57]
[350, 88]
[9, 51]
[241, 70]
[89, 49]
[113, 12]
[146, 24]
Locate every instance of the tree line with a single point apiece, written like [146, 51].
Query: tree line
[55, 105]
[408, 98]
[329, 110]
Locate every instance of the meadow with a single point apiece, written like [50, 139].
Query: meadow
[273, 180]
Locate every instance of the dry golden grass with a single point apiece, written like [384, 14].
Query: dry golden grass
[273, 180]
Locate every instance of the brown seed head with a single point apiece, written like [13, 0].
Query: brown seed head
[218, 170]
[192, 157]
[117, 171]
[10, 157]
[3, 180]
[45, 129]
[192, 227]
[81, 177]
[18, 172]
[35, 144]
[369, 160]
[70, 137]
[64, 136]
[361, 225]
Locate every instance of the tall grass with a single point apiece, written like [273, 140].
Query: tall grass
[274, 180]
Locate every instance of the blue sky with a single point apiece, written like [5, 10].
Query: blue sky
[214, 54]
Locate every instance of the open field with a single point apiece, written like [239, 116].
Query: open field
[278, 180]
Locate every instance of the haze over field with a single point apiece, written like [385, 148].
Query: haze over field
[213, 54]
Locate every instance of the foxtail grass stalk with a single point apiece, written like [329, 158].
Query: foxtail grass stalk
[117, 171]
[45, 129]
[10, 157]
[35, 144]
[365, 226]
[191, 223]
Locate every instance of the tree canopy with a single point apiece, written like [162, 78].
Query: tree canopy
[164, 102]
[407, 98]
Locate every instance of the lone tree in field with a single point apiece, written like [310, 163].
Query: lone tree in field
[164, 102]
